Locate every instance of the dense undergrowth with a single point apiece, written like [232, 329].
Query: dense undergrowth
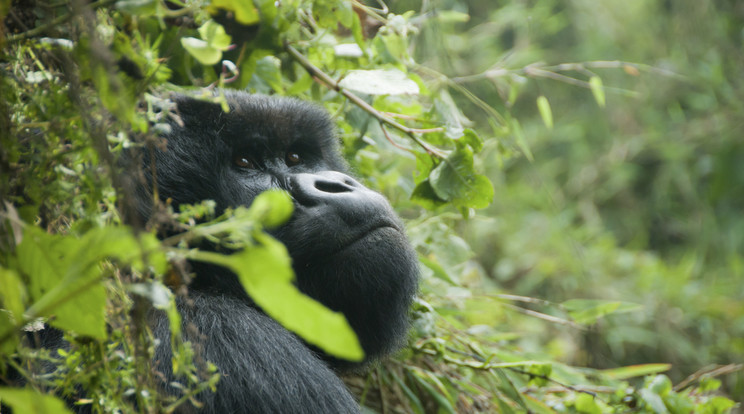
[570, 173]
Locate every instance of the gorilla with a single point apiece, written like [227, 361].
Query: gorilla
[348, 249]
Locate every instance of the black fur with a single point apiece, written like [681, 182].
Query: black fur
[348, 249]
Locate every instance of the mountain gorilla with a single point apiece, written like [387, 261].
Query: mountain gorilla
[348, 248]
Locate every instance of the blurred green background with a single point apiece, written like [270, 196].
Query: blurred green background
[639, 201]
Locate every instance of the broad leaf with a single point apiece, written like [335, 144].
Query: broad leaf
[265, 272]
[455, 180]
[379, 82]
[28, 401]
[244, 10]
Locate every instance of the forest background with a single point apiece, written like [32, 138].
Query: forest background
[571, 174]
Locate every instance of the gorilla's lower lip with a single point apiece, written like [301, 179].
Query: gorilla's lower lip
[366, 235]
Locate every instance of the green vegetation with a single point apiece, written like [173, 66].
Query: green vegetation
[571, 174]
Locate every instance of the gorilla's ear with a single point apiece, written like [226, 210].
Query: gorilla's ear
[197, 111]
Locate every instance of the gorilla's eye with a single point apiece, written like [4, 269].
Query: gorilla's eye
[243, 162]
[292, 158]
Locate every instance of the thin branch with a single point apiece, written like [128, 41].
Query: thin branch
[390, 139]
[709, 372]
[323, 78]
[545, 317]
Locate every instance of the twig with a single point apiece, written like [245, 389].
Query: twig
[390, 139]
[709, 372]
[323, 78]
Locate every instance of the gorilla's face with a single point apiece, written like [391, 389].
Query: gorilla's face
[348, 247]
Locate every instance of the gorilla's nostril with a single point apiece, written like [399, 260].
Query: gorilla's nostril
[332, 186]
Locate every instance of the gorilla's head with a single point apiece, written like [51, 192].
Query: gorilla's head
[348, 247]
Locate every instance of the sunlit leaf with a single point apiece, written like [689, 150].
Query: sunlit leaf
[214, 34]
[244, 10]
[65, 278]
[201, 50]
[29, 401]
[545, 112]
[272, 208]
[595, 84]
[632, 371]
[379, 82]
[586, 403]
[142, 8]
[208, 50]
[12, 293]
[265, 272]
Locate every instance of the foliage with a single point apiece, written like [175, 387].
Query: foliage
[611, 189]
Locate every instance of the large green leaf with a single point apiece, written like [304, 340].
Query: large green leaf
[28, 401]
[266, 273]
[455, 180]
[379, 82]
[65, 278]
[208, 50]
[244, 10]
[12, 293]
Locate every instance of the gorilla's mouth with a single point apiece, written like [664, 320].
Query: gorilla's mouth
[381, 232]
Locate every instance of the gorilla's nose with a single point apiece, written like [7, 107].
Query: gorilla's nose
[329, 194]
[324, 187]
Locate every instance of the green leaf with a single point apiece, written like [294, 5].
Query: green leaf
[424, 194]
[585, 403]
[545, 112]
[7, 335]
[654, 401]
[455, 180]
[344, 13]
[65, 278]
[516, 128]
[208, 50]
[451, 16]
[415, 402]
[541, 372]
[142, 8]
[506, 386]
[660, 385]
[472, 139]
[302, 84]
[357, 32]
[437, 391]
[201, 50]
[28, 401]
[265, 272]
[244, 10]
[269, 70]
[588, 311]
[437, 270]
[214, 34]
[595, 84]
[633, 371]
[12, 293]
[719, 404]
[379, 82]
[272, 208]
